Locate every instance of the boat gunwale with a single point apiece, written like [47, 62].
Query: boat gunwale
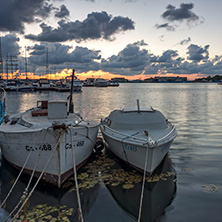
[36, 125]
[136, 140]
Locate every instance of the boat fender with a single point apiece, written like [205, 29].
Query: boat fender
[99, 145]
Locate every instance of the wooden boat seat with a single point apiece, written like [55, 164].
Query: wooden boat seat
[40, 112]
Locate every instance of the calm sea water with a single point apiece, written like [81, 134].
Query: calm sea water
[190, 188]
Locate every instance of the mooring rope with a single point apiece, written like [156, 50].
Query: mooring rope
[25, 192]
[143, 184]
[76, 181]
[36, 162]
[10, 191]
[30, 193]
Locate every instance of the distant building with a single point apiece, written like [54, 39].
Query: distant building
[166, 79]
[136, 81]
[149, 80]
[120, 79]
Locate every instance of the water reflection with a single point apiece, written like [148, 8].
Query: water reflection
[158, 193]
[47, 202]
[195, 110]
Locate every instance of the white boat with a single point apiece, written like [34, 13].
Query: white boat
[140, 137]
[101, 82]
[89, 82]
[112, 83]
[77, 85]
[44, 140]
[2, 104]
[44, 84]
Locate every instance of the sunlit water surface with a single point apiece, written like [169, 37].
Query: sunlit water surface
[192, 193]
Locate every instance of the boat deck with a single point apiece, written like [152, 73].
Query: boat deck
[26, 122]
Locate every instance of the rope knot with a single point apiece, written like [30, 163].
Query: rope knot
[57, 125]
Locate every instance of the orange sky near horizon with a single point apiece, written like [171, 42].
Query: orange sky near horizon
[99, 74]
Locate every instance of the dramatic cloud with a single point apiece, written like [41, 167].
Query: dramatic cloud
[179, 14]
[130, 61]
[10, 46]
[63, 12]
[168, 56]
[60, 57]
[183, 13]
[14, 14]
[185, 41]
[97, 25]
[134, 59]
[197, 53]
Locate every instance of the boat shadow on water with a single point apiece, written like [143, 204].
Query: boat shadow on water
[47, 203]
[123, 182]
[159, 192]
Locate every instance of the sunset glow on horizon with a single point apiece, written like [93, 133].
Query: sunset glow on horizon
[94, 74]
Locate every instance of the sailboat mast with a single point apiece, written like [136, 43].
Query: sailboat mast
[47, 62]
[26, 63]
[1, 60]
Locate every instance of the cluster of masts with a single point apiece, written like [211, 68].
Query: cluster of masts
[11, 67]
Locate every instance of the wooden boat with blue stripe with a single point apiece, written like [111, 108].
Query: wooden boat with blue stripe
[140, 137]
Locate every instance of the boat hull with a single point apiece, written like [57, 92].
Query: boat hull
[135, 154]
[49, 146]
[77, 88]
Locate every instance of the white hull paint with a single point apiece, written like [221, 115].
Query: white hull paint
[42, 144]
[135, 155]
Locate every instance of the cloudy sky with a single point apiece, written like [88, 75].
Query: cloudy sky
[122, 38]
